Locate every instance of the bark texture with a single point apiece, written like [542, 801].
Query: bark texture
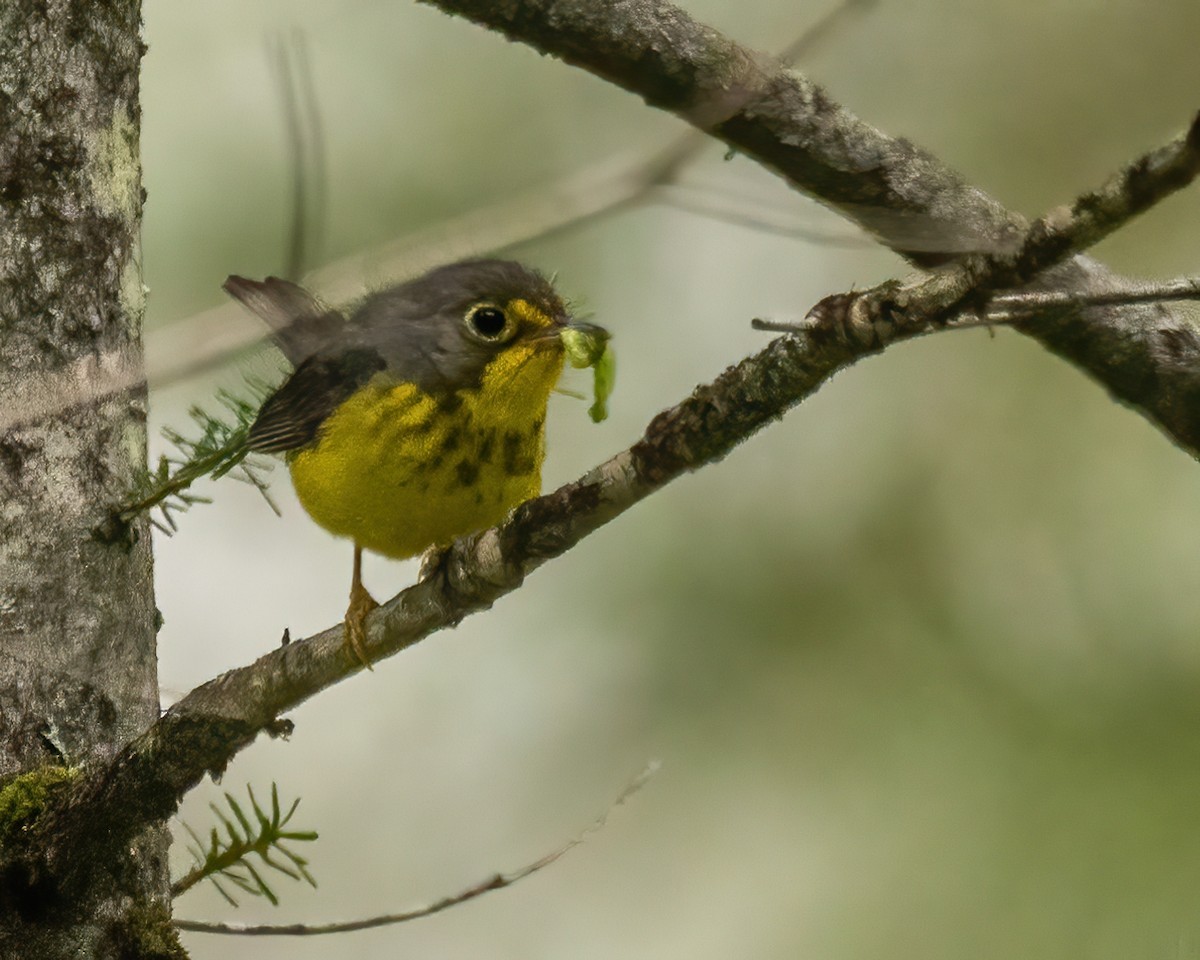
[77, 619]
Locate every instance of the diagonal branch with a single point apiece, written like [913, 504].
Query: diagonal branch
[201, 733]
[1148, 357]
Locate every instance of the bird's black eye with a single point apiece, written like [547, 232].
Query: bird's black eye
[488, 322]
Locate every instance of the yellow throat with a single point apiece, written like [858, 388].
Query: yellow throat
[398, 470]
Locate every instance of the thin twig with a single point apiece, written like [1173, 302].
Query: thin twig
[1024, 303]
[496, 882]
[289, 57]
[823, 30]
[1007, 307]
[598, 190]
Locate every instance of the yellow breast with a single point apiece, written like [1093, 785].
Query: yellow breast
[397, 470]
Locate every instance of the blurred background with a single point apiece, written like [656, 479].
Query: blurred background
[920, 662]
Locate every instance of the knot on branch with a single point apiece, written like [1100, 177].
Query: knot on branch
[862, 321]
[469, 575]
[542, 528]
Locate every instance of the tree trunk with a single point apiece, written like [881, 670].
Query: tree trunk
[78, 672]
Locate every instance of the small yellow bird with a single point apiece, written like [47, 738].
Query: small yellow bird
[421, 416]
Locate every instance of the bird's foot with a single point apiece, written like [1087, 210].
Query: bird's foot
[361, 604]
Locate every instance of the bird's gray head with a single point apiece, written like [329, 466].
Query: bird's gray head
[441, 329]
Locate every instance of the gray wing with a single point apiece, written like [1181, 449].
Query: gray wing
[291, 417]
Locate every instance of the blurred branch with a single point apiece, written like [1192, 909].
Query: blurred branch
[600, 189]
[1148, 357]
[495, 882]
[753, 214]
[306, 157]
[1007, 307]
[1127, 294]
[207, 339]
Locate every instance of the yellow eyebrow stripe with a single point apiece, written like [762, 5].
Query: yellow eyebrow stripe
[529, 315]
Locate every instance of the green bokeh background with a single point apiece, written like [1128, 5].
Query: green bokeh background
[921, 661]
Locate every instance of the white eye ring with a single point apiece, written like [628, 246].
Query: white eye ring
[489, 323]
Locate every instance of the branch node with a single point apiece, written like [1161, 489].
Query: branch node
[860, 320]
[281, 728]
[1193, 134]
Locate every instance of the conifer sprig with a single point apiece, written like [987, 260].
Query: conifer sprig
[226, 854]
[219, 449]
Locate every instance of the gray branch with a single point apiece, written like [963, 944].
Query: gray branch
[1148, 357]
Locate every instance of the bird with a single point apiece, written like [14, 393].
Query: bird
[419, 415]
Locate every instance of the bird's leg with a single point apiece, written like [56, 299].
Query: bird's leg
[361, 603]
